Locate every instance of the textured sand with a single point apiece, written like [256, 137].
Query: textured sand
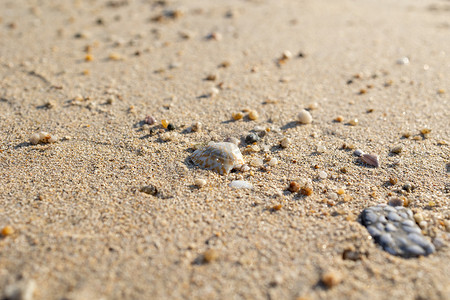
[84, 231]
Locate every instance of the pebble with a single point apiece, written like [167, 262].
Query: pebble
[331, 279]
[323, 175]
[149, 189]
[253, 115]
[353, 122]
[233, 140]
[358, 152]
[150, 120]
[307, 191]
[272, 162]
[403, 60]
[252, 138]
[42, 137]
[294, 187]
[241, 184]
[332, 196]
[397, 149]
[285, 142]
[219, 157]
[400, 236]
[199, 182]
[210, 255]
[197, 126]
[321, 148]
[339, 119]
[237, 116]
[304, 117]
[256, 162]
[7, 230]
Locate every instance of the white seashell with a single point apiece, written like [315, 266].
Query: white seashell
[241, 184]
[370, 159]
[219, 157]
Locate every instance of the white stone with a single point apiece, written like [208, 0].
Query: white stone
[304, 117]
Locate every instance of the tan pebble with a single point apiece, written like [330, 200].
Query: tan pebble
[340, 191]
[210, 255]
[199, 182]
[304, 117]
[253, 115]
[115, 56]
[418, 217]
[35, 138]
[313, 106]
[273, 162]
[353, 122]
[256, 162]
[397, 149]
[331, 278]
[425, 131]
[307, 191]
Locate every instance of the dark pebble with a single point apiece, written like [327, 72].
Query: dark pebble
[252, 138]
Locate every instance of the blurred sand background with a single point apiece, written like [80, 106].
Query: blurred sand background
[90, 71]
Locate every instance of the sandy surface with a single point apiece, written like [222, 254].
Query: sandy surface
[90, 71]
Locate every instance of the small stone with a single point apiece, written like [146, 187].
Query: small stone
[210, 255]
[331, 278]
[253, 115]
[321, 148]
[285, 142]
[164, 123]
[294, 187]
[22, 290]
[241, 184]
[340, 191]
[418, 217]
[332, 196]
[286, 54]
[170, 127]
[393, 180]
[408, 187]
[149, 189]
[353, 122]
[252, 138]
[306, 191]
[256, 162]
[7, 230]
[197, 126]
[213, 92]
[115, 56]
[199, 182]
[339, 119]
[358, 152]
[323, 175]
[403, 60]
[272, 162]
[211, 77]
[276, 207]
[237, 116]
[313, 106]
[304, 117]
[425, 131]
[233, 140]
[150, 120]
[397, 149]
[35, 138]
[395, 201]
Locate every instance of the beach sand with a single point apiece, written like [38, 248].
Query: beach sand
[89, 72]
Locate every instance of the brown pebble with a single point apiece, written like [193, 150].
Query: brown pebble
[393, 180]
[211, 77]
[294, 187]
[307, 191]
[210, 255]
[149, 189]
[276, 207]
[331, 279]
[7, 230]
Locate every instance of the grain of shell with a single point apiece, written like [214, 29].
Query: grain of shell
[219, 157]
[370, 159]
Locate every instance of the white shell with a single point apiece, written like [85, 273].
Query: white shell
[219, 157]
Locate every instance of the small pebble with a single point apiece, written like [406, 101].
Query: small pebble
[340, 191]
[197, 126]
[358, 152]
[403, 60]
[7, 230]
[395, 201]
[304, 117]
[332, 196]
[150, 120]
[313, 106]
[170, 127]
[331, 278]
[323, 175]
[307, 191]
[397, 149]
[164, 123]
[256, 162]
[199, 182]
[149, 189]
[237, 116]
[353, 122]
[213, 92]
[241, 184]
[252, 138]
[253, 115]
[321, 148]
[286, 54]
[272, 162]
[294, 187]
[339, 119]
[233, 140]
[42, 137]
[285, 142]
[210, 255]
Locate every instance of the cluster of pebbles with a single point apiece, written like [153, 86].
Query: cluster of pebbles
[395, 230]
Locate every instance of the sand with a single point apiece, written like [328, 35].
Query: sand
[90, 71]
